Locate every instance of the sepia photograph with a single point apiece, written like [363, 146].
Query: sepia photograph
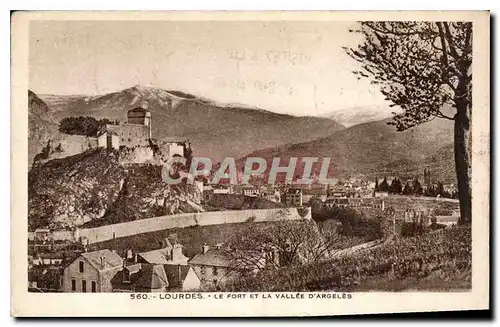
[234, 157]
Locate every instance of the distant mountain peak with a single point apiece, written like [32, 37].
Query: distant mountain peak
[358, 115]
[139, 90]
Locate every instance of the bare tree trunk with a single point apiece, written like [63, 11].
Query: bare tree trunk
[463, 159]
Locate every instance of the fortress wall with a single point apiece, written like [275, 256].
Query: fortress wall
[131, 134]
[104, 233]
[138, 155]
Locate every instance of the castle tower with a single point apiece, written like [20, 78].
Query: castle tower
[140, 116]
[147, 122]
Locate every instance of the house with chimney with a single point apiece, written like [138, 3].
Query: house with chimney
[217, 265]
[106, 271]
[91, 272]
[147, 278]
[168, 255]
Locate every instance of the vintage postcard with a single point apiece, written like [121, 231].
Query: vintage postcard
[249, 163]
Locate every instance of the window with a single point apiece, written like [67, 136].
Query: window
[84, 286]
[214, 271]
[82, 266]
[73, 285]
[93, 286]
[203, 270]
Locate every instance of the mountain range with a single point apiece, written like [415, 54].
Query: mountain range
[349, 117]
[376, 149]
[215, 130]
[221, 130]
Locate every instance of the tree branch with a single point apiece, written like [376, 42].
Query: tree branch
[451, 43]
[439, 114]
[445, 51]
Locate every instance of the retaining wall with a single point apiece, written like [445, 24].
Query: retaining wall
[108, 232]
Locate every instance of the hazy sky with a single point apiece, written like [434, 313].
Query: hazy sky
[288, 67]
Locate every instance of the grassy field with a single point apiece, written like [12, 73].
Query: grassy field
[419, 203]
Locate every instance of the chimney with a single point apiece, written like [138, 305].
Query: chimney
[135, 258]
[205, 248]
[125, 274]
[176, 252]
[129, 254]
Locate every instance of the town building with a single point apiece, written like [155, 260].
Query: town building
[337, 202]
[106, 271]
[222, 189]
[147, 278]
[91, 272]
[48, 259]
[292, 197]
[216, 266]
[250, 190]
[380, 194]
[272, 195]
[168, 255]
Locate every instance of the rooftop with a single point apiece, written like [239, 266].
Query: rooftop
[151, 277]
[110, 259]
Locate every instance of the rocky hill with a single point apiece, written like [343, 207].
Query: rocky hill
[42, 126]
[215, 130]
[92, 189]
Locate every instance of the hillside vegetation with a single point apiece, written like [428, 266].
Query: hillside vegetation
[375, 149]
[440, 260]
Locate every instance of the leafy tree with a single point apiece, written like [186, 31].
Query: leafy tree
[377, 188]
[424, 68]
[430, 191]
[417, 187]
[396, 187]
[88, 126]
[407, 189]
[384, 186]
[292, 242]
[399, 187]
[440, 189]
